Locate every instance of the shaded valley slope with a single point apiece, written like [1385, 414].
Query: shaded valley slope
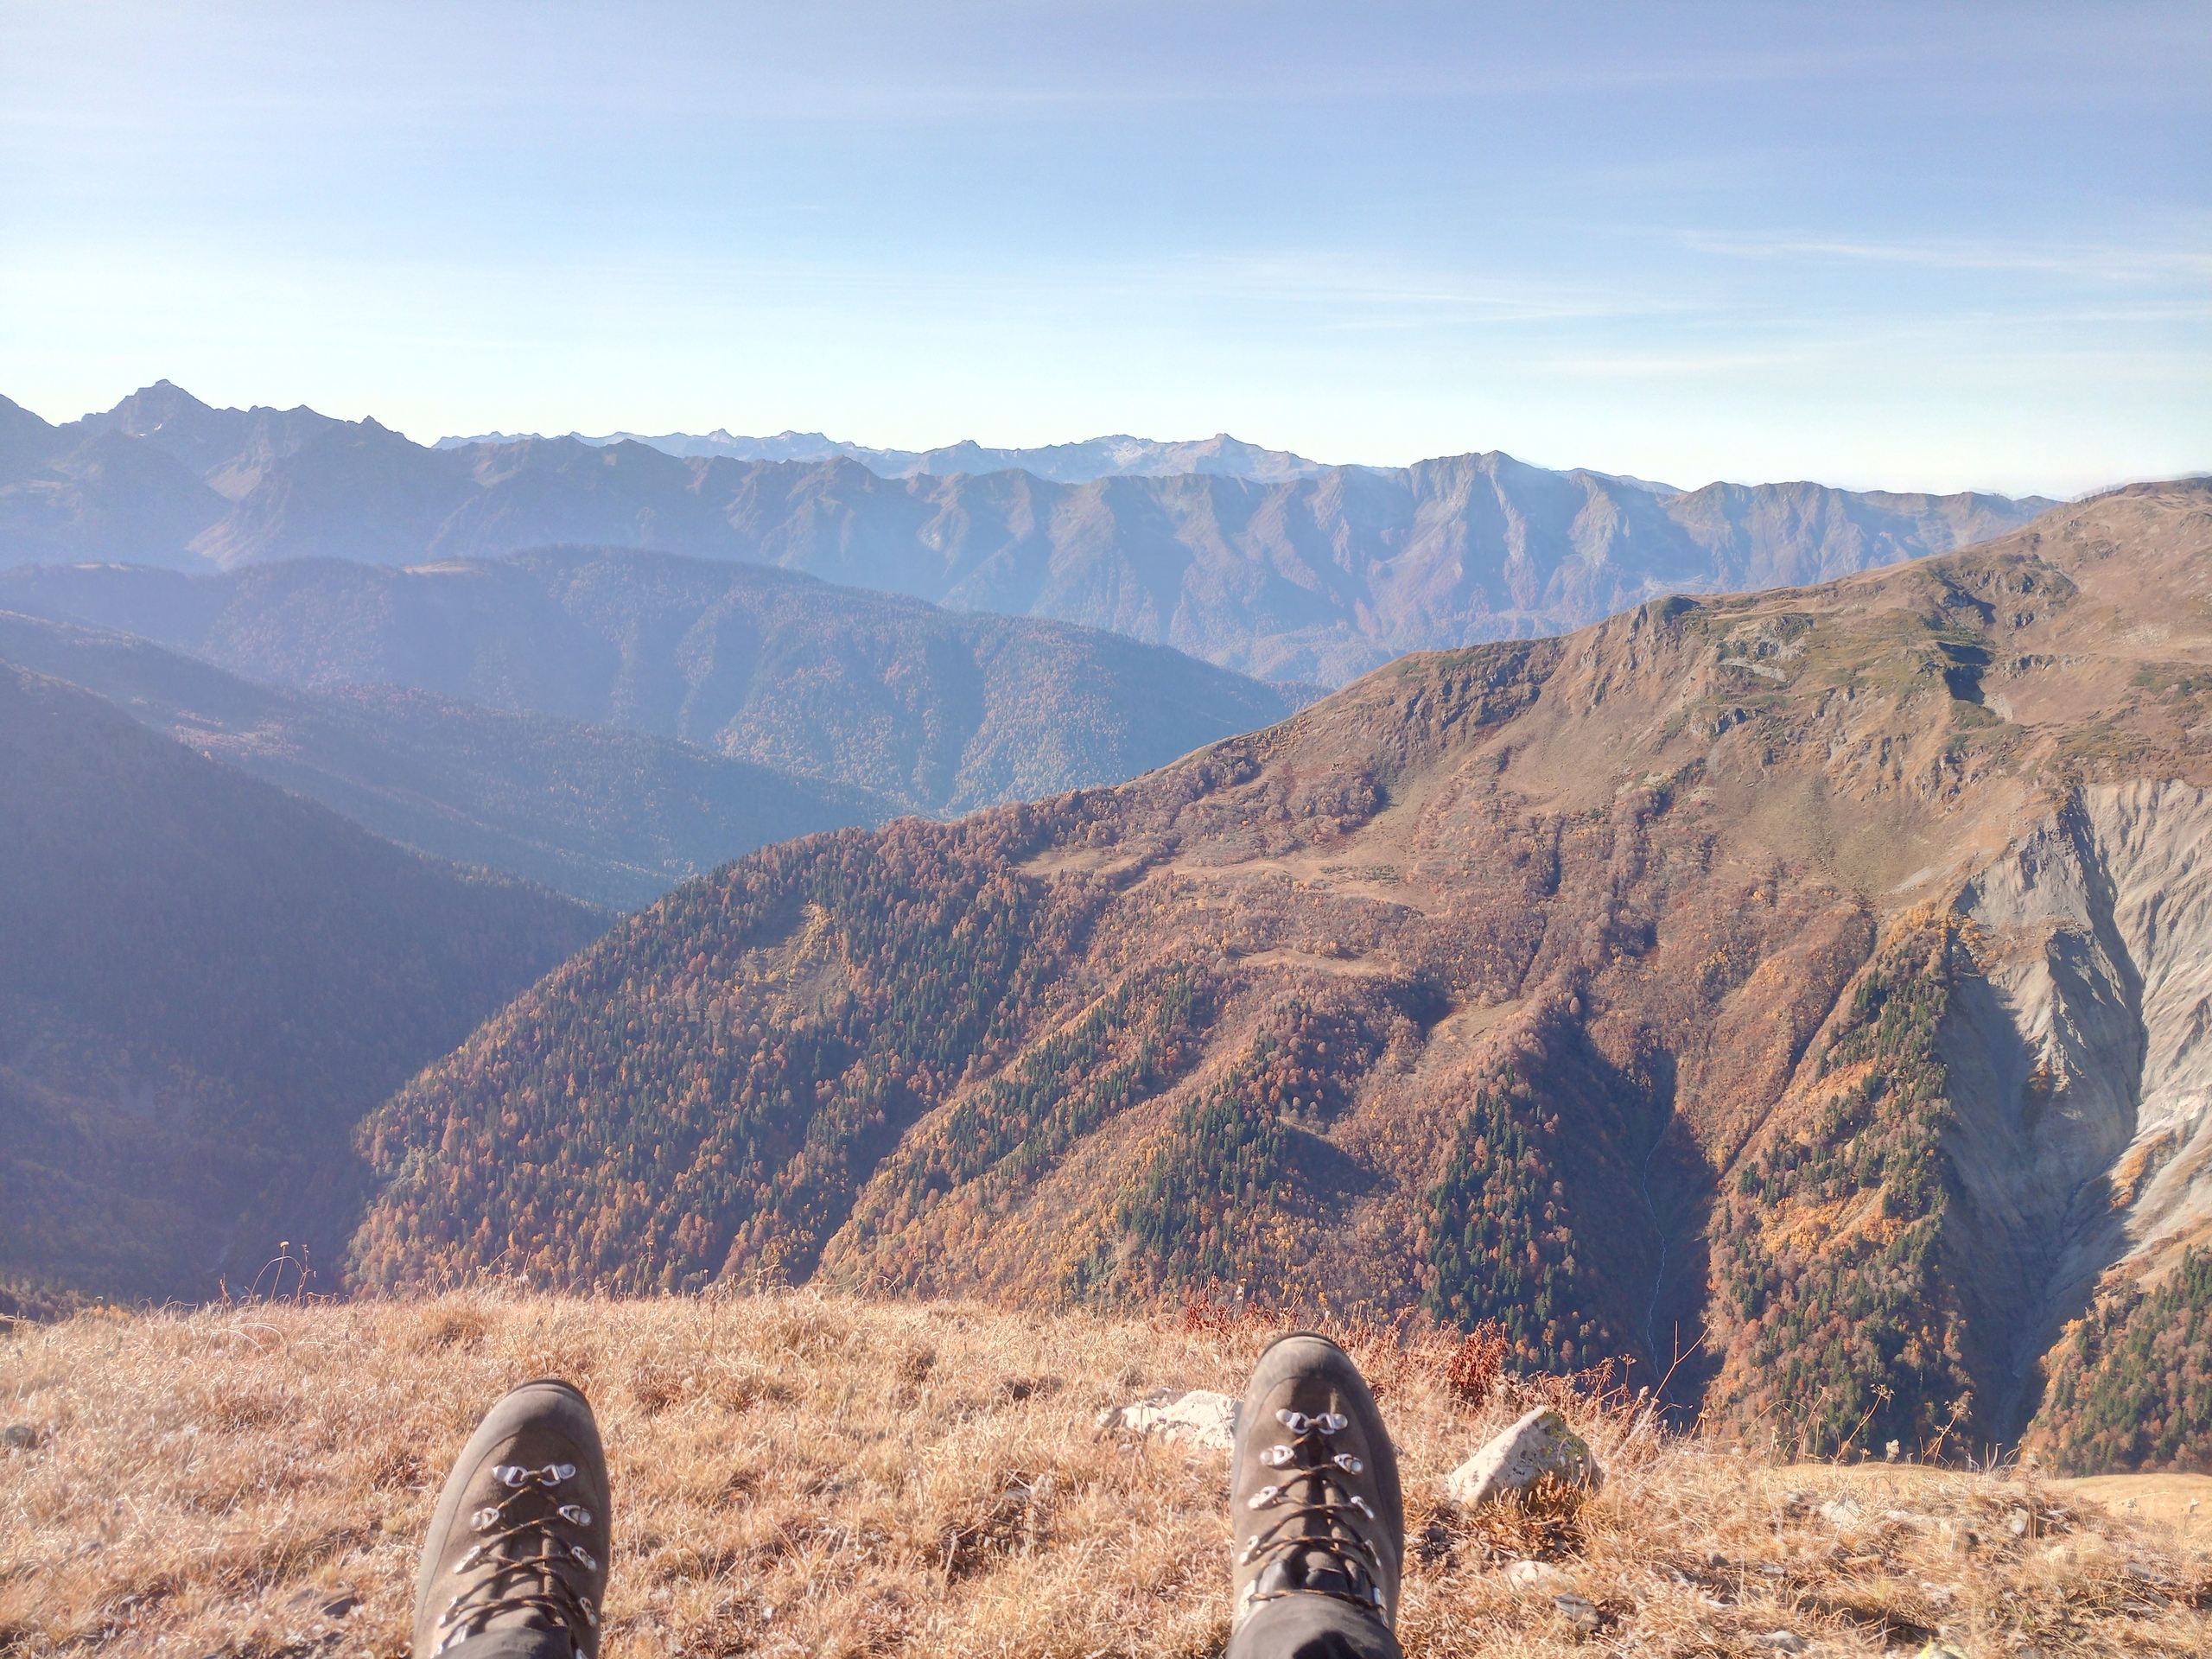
[204, 982]
[1811, 984]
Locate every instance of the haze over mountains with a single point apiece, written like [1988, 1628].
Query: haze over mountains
[1813, 983]
[928, 711]
[1316, 576]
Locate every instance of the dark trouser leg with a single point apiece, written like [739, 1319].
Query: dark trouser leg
[1311, 1627]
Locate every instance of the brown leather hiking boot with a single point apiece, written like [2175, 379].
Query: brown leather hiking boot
[516, 1558]
[1314, 1506]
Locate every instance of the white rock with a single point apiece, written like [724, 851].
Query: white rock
[1540, 1444]
[1532, 1575]
[1782, 1641]
[1200, 1420]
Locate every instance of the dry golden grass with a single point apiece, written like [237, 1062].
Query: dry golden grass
[797, 1474]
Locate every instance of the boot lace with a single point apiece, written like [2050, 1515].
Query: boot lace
[519, 1563]
[1316, 1504]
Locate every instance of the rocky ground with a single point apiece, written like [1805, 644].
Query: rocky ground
[801, 1474]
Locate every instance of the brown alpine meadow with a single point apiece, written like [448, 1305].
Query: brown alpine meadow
[803, 1474]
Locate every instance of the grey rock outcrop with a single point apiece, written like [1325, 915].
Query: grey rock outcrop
[1540, 1444]
[2079, 1057]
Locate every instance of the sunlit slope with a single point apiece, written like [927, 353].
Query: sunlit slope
[1663, 989]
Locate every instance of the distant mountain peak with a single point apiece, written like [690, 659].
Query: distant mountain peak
[1115, 454]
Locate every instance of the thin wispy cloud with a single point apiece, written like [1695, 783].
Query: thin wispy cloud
[2101, 261]
[1707, 238]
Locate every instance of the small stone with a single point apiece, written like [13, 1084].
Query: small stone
[2017, 1523]
[21, 1437]
[340, 1607]
[1578, 1611]
[1540, 1444]
[1782, 1641]
[1842, 1513]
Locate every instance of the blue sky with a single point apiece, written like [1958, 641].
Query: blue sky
[1914, 246]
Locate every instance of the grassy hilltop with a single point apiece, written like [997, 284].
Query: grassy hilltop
[796, 1473]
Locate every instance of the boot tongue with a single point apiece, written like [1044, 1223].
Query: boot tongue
[1316, 1568]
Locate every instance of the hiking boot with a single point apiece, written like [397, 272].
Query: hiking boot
[516, 1560]
[1314, 1507]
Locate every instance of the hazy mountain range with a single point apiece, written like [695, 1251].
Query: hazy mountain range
[1814, 985]
[1312, 577]
[204, 982]
[924, 709]
[1118, 456]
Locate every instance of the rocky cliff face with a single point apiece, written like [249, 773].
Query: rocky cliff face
[2079, 1055]
[1804, 988]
